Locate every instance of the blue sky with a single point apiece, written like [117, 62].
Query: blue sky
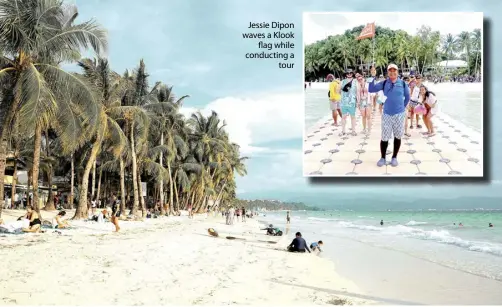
[197, 47]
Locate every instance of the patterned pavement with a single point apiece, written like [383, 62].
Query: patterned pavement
[455, 150]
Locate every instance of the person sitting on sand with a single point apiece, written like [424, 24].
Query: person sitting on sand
[34, 218]
[59, 222]
[270, 230]
[316, 246]
[298, 244]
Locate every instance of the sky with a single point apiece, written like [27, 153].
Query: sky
[197, 47]
[319, 25]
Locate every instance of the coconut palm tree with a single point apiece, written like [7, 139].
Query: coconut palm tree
[464, 43]
[107, 134]
[36, 89]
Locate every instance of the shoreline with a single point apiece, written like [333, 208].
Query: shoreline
[155, 263]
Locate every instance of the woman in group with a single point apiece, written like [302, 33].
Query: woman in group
[348, 101]
[34, 218]
[428, 99]
[363, 102]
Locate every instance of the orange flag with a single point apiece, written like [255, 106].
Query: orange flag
[367, 32]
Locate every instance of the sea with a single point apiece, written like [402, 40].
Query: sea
[462, 102]
[430, 241]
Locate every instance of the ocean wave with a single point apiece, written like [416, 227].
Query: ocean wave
[439, 236]
[415, 223]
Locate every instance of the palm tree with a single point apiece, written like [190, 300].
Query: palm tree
[449, 47]
[107, 84]
[169, 125]
[476, 43]
[464, 42]
[37, 90]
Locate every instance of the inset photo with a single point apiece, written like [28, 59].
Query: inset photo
[393, 94]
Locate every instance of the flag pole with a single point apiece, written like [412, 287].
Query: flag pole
[373, 48]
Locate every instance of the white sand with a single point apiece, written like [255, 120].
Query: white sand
[163, 261]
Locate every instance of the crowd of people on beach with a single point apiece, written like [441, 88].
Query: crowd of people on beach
[232, 214]
[403, 102]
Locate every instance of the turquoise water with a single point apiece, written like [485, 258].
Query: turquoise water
[463, 102]
[430, 235]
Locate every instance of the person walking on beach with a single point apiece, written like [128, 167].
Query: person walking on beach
[115, 212]
[393, 117]
[363, 102]
[190, 211]
[334, 98]
[231, 214]
[243, 211]
[288, 218]
[348, 101]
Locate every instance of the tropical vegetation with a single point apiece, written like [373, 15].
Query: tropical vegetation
[422, 50]
[104, 132]
[272, 205]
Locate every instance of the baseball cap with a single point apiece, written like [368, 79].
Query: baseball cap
[392, 66]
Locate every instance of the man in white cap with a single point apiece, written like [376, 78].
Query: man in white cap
[394, 111]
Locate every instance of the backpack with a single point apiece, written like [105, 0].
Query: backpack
[385, 81]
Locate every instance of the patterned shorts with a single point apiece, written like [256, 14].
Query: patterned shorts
[393, 125]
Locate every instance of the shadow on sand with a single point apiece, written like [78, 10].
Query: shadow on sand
[355, 295]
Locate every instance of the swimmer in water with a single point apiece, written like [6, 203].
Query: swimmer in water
[490, 225]
[381, 223]
[460, 225]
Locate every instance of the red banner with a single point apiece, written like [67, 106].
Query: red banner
[367, 32]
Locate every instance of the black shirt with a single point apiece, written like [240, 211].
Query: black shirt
[299, 244]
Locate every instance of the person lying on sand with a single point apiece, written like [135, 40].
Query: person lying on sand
[59, 222]
[12, 227]
[316, 246]
[298, 244]
[34, 218]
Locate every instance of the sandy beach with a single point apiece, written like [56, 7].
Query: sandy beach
[164, 261]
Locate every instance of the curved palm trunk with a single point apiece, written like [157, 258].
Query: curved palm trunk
[476, 64]
[82, 209]
[14, 184]
[49, 205]
[3, 162]
[5, 118]
[36, 165]
[177, 206]
[122, 186]
[93, 187]
[98, 191]
[161, 182]
[134, 171]
[171, 187]
[219, 194]
[72, 181]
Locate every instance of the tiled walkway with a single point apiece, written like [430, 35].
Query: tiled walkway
[455, 150]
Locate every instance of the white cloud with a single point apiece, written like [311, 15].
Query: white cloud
[266, 118]
[318, 26]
